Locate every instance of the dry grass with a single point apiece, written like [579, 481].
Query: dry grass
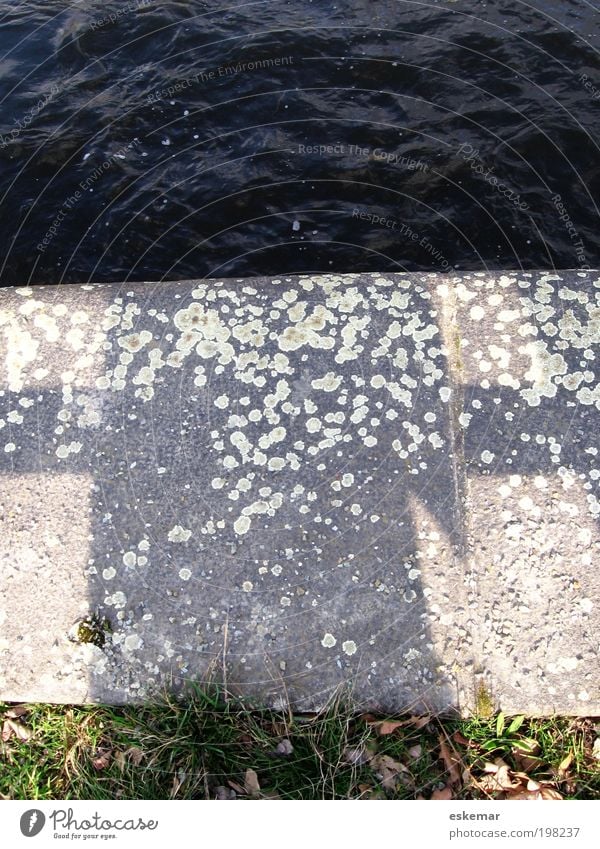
[210, 747]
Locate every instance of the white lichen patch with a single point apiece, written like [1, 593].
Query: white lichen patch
[179, 534]
[328, 641]
[242, 525]
[132, 642]
[349, 647]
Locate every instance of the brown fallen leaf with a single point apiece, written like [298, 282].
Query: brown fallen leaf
[237, 787]
[102, 758]
[387, 726]
[442, 795]
[524, 796]
[527, 763]
[451, 761]
[135, 755]
[369, 718]
[251, 785]
[548, 792]
[10, 727]
[497, 779]
[387, 770]
[533, 793]
[525, 753]
[355, 756]
[461, 739]
[419, 722]
[16, 711]
[504, 778]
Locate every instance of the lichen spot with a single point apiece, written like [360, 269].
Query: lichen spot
[185, 574]
[132, 642]
[179, 534]
[349, 647]
[328, 641]
[135, 341]
[242, 525]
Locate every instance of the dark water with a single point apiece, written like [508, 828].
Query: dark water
[296, 136]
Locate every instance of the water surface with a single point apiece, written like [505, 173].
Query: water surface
[141, 140]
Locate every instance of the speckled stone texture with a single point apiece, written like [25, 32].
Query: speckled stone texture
[380, 484]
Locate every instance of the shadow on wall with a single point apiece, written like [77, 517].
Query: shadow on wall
[295, 484]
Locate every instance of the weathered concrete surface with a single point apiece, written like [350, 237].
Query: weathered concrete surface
[384, 482]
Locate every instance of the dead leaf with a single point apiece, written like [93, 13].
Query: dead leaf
[504, 779]
[526, 762]
[251, 785]
[16, 711]
[550, 793]
[388, 726]
[442, 795]
[119, 758]
[459, 738]
[534, 792]
[237, 787]
[356, 757]
[285, 748]
[387, 770]
[369, 718]
[135, 755]
[102, 758]
[523, 796]
[565, 764]
[10, 728]
[224, 793]
[497, 779]
[451, 761]
[419, 722]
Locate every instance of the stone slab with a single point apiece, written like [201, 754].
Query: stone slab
[301, 485]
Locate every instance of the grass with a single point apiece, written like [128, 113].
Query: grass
[210, 747]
